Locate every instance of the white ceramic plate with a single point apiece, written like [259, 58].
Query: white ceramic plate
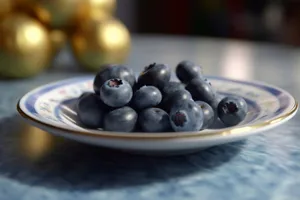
[51, 108]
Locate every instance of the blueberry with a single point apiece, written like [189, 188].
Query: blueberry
[104, 107]
[171, 87]
[214, 104]
[232, 110]
[208, 114]
[156, 75]
[116, 92]
[122, 120]
[113, 71]
[90, 110]
[85, 94]
[201, 90]
[146, 97]
[187, 70]
[154, 120]
[186, 116]
[177, 96]
[207, 81]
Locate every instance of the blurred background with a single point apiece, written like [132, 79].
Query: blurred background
[276, 21]
[97, 32]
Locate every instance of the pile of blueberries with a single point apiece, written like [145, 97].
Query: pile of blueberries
[153, 103]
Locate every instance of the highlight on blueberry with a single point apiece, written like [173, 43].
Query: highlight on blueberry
[187, 70]
[146, 97]
[208, 114]
[116, 92]
[155, 74]
[122, 120]
[232, 110]
[201, 90]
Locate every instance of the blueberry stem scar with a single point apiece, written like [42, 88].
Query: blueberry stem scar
[179, 118]
[230, 107]
[149, 67]
[115, 83]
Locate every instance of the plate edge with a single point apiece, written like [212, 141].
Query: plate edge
[149, 136]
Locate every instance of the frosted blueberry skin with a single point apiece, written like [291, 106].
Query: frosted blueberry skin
[116, 92]
[155, 74]
[232, 110]
[186, 116]
[90, 110]
[201, 90]
[111, 71]
[187, 70]
[171, 99]
[146, 97]
[208, 114]
[120, 120]
[171, 87]
[85, 94]
[154, 120]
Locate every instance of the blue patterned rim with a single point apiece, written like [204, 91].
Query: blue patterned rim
[283, 100]
[287, 107]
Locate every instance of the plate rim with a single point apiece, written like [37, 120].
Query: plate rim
[169, 135]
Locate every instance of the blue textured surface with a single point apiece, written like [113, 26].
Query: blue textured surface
[260, 168]
[265, 166]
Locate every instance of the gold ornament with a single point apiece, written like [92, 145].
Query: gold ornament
[100, 42]
[25, 47]
[20, 3]
[5, 7]
[33, 143]
[58, 40]
[23, 5]
[58, 13]
[98, 9]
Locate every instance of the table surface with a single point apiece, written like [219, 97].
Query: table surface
[36, 165]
